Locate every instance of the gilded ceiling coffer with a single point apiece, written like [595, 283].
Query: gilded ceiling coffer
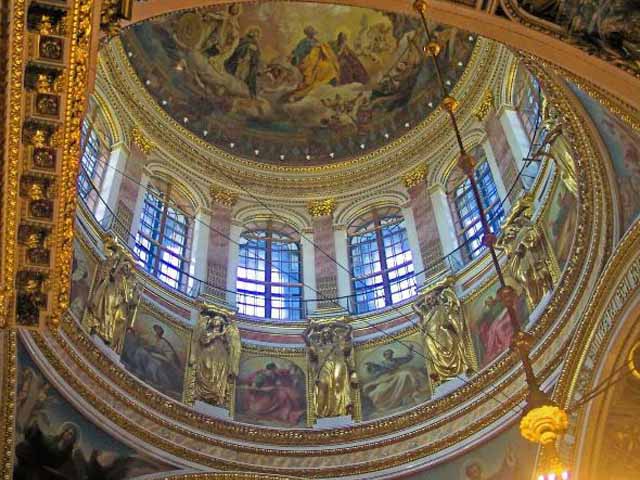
[447, 343]
[114, 297]
[332, 369]
[215, 359]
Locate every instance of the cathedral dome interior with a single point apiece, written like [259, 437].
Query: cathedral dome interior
[334, 239]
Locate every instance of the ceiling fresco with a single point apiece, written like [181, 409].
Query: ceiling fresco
[293, 83]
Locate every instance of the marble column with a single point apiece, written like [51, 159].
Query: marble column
[506, 159]
[133, 185]
[111, 182]
[422, 231]
[445, 224]
[219, 256]
[199, 249]
[342, 257]
[326, 269]
[307, 251]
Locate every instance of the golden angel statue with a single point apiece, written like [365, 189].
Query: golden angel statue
[115, 296]
[523, 244]
[445, 334]
[215, 357]
[330, 354]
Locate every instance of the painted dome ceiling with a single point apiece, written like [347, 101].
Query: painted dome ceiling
[320, 84]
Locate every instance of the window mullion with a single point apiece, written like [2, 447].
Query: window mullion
[383, 263]
[163, 224]
[267, 274]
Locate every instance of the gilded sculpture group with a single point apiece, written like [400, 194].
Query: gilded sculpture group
[215, 357]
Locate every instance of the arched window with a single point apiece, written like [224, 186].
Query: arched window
[164, 236]
[469, 228]
[269, 273]
[381, 261]
[93, 162]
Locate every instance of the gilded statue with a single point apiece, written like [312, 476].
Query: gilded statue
[115, 296]
[523, 243]
[215, 357]
[445, 334]
[330, 354]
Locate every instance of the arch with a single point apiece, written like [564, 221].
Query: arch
[602, 74]
[251, 213]
[156, 170]
[350, 212]
[115, 126]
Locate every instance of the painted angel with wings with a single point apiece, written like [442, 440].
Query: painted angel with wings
[216, 357]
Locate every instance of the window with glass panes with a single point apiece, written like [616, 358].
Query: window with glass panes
[528, 103]
[381, 262]
[470, 229]
[163, 237]
[269, 274]
[92, 164]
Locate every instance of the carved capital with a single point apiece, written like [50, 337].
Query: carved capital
[142, 142]
[321, 208]
[223, 197]
[485, 107]
[415, 176]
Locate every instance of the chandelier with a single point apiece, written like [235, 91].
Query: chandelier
[543, 421]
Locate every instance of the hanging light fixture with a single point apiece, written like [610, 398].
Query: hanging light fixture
[544, 421]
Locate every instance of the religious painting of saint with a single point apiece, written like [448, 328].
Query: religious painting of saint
[83, 269]
[54, 441]
[271, 391]
[489, 323]
[393, 377]
[156, 351]
[507, 456]
[623, 144]
[294, 82]
[560, 222]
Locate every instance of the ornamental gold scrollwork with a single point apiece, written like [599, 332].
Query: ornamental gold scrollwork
[523, 243]
[114, 297]
[329, 347]
[215, 358]
[446, 338]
